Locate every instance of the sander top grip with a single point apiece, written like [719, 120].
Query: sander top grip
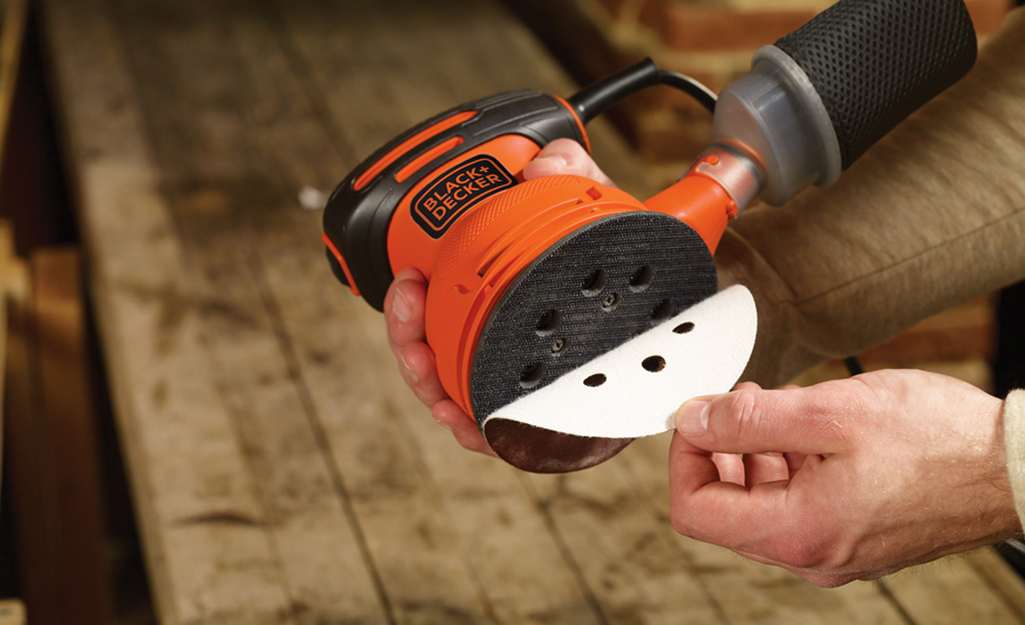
[359, 212]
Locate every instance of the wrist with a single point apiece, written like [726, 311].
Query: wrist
[1013, 429]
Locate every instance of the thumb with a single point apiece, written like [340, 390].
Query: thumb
[565, 156]
[751, 421]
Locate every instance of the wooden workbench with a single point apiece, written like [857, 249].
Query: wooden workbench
[281, 471]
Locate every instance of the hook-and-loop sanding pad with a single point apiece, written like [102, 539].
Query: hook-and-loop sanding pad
[554, 384]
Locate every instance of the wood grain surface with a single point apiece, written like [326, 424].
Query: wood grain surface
[282, 472]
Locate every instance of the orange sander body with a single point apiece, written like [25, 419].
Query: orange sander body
[528, 280]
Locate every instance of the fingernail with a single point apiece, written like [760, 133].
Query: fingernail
[444, 425]
[413, 377]
[403, 309]
[692, 418]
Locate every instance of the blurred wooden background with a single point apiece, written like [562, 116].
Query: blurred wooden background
[278, 470]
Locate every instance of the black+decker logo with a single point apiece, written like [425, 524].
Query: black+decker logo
[437, 206]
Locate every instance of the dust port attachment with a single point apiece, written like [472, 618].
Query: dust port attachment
[814, 102]
[772, 129]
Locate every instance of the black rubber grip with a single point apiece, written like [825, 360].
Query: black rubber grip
[874, 62]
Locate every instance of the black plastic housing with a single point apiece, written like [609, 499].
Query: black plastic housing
[357, 222]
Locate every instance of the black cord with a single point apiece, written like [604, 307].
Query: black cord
[854, 366]
[592, 100]
[704, 96]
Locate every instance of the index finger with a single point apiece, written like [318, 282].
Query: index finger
[404, 307]
[726, 514]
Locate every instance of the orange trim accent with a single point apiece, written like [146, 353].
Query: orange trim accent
[408, 244]
[701, 203]
[583, 131]
[427, 157]
[341, 261]
[410, 143]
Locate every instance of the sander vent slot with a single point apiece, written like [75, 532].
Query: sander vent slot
[683, 328]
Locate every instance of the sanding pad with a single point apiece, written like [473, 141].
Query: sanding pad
[635, 389]
[596, 289]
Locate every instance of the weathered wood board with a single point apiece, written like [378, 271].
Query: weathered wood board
[281, 471]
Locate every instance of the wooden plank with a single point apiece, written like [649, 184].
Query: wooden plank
[30, 470]
[1004, 580]
[66, 412]
[950, 591]
[626, 558]
[12, 37]
[206, 154]
[202, 526]
[8, 265]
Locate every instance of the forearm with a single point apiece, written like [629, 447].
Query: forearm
[931, 217]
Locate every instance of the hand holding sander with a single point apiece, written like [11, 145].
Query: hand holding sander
[529, 281]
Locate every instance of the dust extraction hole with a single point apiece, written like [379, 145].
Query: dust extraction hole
[532, 375]
[684, 328]
[549, 322]
[663, 311]
[641, 279]
[595, 380]
[595, 282]
[654, 364]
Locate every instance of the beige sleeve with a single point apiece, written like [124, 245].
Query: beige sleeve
[932, 216]
[1014, 444]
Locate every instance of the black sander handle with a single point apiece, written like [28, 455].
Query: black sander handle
[814, 102]
[874, 62]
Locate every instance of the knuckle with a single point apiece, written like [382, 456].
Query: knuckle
[743, 414]
[802, 553]
[680, 520]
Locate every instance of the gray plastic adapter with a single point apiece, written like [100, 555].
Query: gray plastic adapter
[775, 115]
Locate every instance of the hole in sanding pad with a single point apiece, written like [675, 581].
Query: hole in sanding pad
[641, 278]
[595, 380]
[654, 364]
[595, 282]
[663, 311]
[683, 328]
[549, 322]
[532, 375]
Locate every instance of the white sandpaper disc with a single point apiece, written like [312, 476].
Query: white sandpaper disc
[635, 389]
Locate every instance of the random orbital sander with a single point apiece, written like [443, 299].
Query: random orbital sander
[532, 282]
